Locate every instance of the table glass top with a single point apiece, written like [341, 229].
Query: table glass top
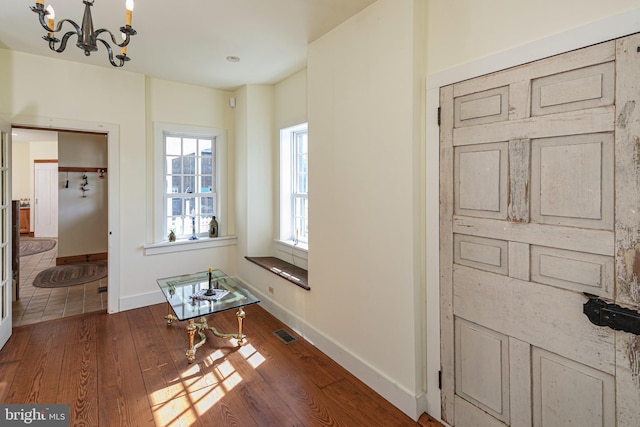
[178, 291]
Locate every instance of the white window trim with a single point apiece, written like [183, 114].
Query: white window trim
[300, 249]
[160, 236]
[296, 254]
[188, 245]
[286, 185]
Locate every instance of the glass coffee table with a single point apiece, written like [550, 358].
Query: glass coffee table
[195, 295]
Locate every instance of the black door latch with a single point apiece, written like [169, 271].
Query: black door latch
[612, 315]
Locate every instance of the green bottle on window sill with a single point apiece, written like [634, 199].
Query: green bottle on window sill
[213, 227]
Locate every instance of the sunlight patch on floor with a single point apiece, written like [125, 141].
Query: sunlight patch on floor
[199, 387]
[252, 356]
[178, 412]
[231, 378]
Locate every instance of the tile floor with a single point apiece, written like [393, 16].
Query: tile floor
[40, 304]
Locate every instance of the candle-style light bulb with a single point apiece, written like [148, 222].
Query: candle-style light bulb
[51, 16]
[123, 49]
[129, 6]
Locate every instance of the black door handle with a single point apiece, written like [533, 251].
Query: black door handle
[619, 318]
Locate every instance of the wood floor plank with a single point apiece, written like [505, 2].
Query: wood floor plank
[301, 392]
[79, 377]
[130, 369]
[354, 397]
[122, 397]
[41, 365]
[161, 377]
[258, 397]
[321, 369]
[10, 360]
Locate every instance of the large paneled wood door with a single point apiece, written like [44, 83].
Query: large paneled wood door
[540, 204]
[6, 275]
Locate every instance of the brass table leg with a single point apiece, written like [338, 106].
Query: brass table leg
[191, 330]
[170, 316]
[201, 326]
[241, 315]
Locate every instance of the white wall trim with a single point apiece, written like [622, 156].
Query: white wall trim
[142, 300]
[609, 28]
[113, 189]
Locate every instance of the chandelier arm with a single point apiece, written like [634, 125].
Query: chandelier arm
[122, 58]
[127, 31]
[41, 17]
[61, 22]
[63, 42]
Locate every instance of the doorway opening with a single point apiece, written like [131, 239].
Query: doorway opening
[61, 178]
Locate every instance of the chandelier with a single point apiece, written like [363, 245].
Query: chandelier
[87, 38]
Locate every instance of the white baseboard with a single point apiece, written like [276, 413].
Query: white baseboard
[141, 300]
[405, 400]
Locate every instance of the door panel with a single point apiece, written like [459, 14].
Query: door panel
[555, 382]
[481, 177]
[572, 181]
[579, 89]
[540, 202]
[482, 368]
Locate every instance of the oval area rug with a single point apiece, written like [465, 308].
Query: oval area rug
[35, 246]
[71, 274]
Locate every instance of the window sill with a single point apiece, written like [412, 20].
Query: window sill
[188, 245]
[300, 246]
[287, 271]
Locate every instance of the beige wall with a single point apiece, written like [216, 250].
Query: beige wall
[364, 268]
[290, 102]
[21, 180]
[82, 221]
[462, 31]
[255, 169]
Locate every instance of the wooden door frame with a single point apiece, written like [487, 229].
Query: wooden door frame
[610, 28]
[113, 193]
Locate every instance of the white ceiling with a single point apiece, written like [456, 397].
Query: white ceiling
[188, 40]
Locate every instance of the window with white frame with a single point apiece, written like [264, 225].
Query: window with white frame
[188, 172]
[294, 185]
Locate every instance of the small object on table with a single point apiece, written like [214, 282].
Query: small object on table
[215, 296]
[210, 290]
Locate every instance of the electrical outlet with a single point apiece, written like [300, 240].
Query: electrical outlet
[271, 290]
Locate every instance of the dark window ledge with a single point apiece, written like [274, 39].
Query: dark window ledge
[286, 270]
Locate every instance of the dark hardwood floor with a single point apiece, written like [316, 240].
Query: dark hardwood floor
[129, 369]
